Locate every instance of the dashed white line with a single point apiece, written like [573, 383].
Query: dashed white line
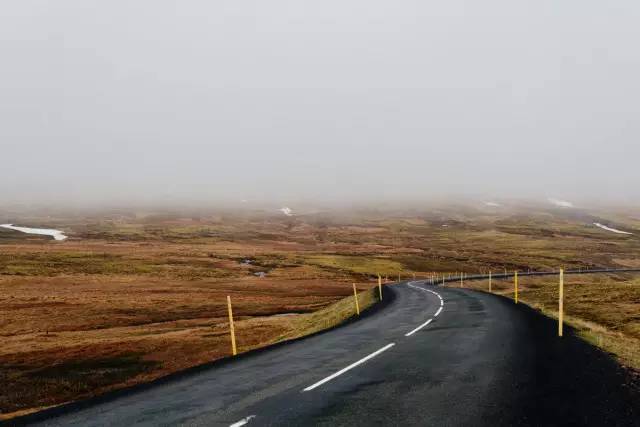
[243, 421]
[353, 365]
[418, 328]
[434, 316]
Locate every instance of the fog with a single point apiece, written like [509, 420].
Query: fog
[336, 100]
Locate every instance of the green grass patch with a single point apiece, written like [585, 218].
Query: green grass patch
[368, 265]
[329, 317]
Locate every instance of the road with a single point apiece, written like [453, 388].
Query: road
[431, 355]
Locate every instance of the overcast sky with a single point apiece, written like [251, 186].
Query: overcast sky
[152, 100]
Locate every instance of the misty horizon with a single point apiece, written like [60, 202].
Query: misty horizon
[335, 102]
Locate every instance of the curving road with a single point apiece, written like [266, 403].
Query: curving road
[430, 356]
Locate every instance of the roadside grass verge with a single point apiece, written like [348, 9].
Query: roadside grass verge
[72, 365]
[329, 317]
[603, 309]
[66, 381]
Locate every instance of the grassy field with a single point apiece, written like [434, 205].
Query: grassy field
[133, 296]
[77, 345]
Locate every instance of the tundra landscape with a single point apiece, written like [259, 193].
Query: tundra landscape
[319, 213]
[132, 296]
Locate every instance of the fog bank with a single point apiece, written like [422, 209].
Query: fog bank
[167, 101]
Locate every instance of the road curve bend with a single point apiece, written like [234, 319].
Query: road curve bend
[432, 356]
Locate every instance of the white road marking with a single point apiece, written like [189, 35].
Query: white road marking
[434, 316]
[427, 290]
[243, 421]
[418, 328]
[353, 365]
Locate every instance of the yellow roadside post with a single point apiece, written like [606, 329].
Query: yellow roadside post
[232, 330]
[380, 286]
[443, 280]
[489, 280]
[398, 277]
[515, 286]
[561, 303]
[461, 279]
[355, 297]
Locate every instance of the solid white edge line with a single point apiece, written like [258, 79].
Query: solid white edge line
[348, 368]
[438, 312]
[243, 421]
[418, 328]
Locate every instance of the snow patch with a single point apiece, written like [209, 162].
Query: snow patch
[56, 234]
[286, 211]
[561, 203]
[613, 230]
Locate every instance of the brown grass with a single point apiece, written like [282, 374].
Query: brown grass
[131, 296]
[68, 339]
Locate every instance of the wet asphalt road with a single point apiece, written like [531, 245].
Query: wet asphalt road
[482, 361]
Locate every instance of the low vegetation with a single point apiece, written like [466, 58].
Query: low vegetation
[133, 296]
